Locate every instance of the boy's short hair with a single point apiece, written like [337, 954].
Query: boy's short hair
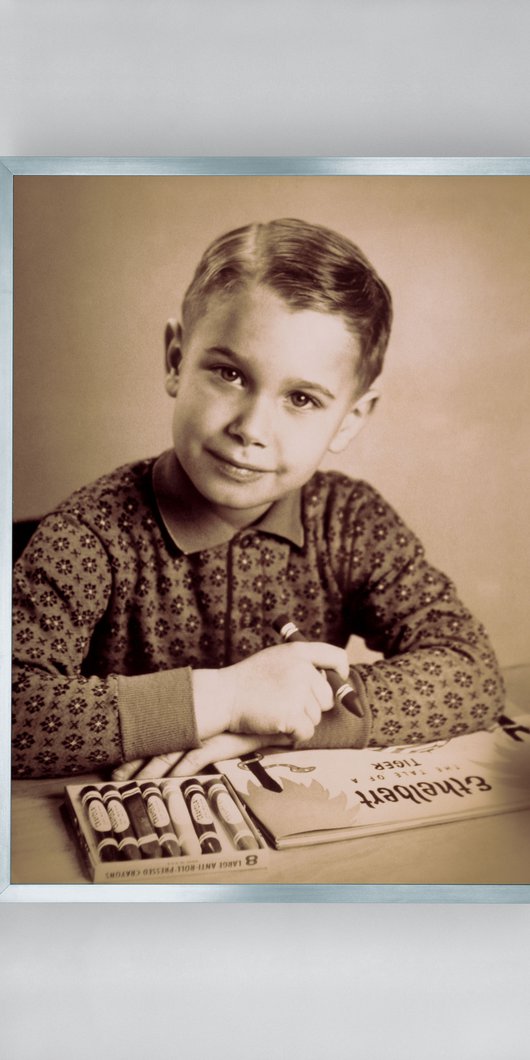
[309, 267]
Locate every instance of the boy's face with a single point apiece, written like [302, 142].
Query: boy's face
[261, 393]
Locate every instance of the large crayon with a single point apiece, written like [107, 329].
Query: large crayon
[121, 825]
[342, 690]
[135, 806]
[201, 816]
[229, 813]
[159, 818]
[180, 818]
[98, 818]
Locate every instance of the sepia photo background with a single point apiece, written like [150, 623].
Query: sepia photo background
[101, 262]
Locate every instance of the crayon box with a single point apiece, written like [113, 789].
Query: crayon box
[172, 830]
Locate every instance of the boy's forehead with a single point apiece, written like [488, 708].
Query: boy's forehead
[259, 311]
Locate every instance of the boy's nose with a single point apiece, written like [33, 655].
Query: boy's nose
[252, 425]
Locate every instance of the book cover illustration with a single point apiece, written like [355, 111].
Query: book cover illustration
[312, 796]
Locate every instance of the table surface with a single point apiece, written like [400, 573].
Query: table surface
[486, 850]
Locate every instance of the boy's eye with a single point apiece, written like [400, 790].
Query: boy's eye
[302, 401]
[227, 373]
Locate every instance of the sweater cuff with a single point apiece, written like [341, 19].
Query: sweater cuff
[339, 727]
[156, 713]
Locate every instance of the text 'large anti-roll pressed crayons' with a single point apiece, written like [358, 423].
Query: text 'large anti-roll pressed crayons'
[201, 816]
[99, 820]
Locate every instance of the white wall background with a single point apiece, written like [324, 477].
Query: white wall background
[102, 262]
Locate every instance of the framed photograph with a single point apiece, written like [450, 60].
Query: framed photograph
[97, 258]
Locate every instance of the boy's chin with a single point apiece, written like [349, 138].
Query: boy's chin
[237, 499]
[238, 502]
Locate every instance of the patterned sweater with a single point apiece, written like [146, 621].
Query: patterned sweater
[111, 614]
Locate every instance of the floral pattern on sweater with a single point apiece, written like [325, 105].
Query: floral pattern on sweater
[107, 608]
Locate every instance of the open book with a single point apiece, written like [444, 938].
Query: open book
[303, 797]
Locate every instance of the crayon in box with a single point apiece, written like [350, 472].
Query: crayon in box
[95, 813]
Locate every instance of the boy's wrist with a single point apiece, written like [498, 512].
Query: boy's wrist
[213, 701]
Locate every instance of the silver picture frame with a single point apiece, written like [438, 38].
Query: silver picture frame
[251, 167]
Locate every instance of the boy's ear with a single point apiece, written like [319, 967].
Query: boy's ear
[354, 420]
[173, 355]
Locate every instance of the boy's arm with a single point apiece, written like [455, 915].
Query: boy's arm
[65, 722]
[439, 676]
[69, 720]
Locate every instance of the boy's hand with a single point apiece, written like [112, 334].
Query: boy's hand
[187, 763]
[278, 690]
[245, 706]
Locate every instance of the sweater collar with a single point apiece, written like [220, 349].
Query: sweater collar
[194, 527]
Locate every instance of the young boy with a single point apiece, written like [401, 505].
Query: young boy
[144, 605]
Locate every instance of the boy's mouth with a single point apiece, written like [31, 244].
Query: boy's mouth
[237, 469]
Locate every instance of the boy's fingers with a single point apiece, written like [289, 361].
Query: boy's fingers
[323, 692]
[224, 745]
[304, 731]
[313, 711]
[323, 656]
[159, 766]
[127, 769]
